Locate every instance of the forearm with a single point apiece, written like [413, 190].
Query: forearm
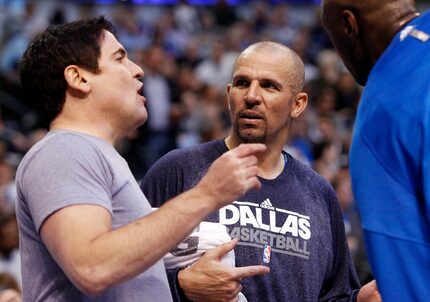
[123, 253]
[95, 257]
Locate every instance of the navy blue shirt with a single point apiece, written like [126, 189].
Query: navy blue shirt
[296, 214]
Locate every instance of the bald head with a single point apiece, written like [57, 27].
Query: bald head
[362, 29]
[284, 56]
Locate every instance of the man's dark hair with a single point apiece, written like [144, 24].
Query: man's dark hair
[42, 66]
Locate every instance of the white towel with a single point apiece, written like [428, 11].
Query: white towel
[206, 236]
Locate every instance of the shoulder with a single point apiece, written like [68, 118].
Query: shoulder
[68, 143]
[62, 150]
[306, 174]
[310, 181]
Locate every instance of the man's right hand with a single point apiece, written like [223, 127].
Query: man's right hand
[209, 280]
[232, 174]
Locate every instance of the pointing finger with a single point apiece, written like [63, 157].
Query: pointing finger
[222, 249]
[249, 271]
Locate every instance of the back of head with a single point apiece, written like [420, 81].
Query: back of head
[43, 64]
[369, 10]
[362, 29]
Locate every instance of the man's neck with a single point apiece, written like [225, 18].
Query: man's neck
[381, 33]
[85, 128]
[271, 163]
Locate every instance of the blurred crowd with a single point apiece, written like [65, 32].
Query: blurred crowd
[187, 53]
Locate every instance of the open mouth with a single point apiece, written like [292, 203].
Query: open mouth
[140, 90]
[250, 115]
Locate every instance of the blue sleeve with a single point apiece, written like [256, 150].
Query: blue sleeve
[391, 177]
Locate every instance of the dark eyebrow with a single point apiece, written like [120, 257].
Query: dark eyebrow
[277, 84]
[263, 80]
[239, 76]
[121, 51]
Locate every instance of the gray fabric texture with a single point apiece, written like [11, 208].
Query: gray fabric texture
[69, 168]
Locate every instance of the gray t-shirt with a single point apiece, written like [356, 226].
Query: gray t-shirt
[68, 168]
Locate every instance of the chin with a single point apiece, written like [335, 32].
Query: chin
[139, 121]
[362, 80]
[249, 138]
[360, 74]
[143, 120]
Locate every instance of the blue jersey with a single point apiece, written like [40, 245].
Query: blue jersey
[390, 165]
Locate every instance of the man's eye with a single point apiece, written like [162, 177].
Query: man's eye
[269, 85]
[240, 83]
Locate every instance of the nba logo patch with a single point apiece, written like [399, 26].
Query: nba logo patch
[266, 253]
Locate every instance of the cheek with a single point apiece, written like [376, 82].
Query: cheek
[281, 106]
[279, 115]
[232, 106]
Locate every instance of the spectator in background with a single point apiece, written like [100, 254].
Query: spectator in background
[7, 186]
[191, 121]
[259, 15]
[187, 17]
[160, 136]
[9, 289]
[20, 29]
[280, 28]
[191, 55]
[299, 144]
[224, 14]
[348, 94]
[326, 159]
[169, 35]
[329, 67]
[353, 232]
[216, 69]
[130, 29]
[9, 247]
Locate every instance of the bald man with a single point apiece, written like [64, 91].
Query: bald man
[292, 224]
[386, 46]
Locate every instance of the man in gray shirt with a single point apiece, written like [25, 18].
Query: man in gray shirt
[86, 231]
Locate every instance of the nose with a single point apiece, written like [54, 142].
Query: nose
[253, 94]
[136, 70]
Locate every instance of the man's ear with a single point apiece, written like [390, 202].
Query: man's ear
[349, 23]
[228, 96]
[299, 104]
[76, 78]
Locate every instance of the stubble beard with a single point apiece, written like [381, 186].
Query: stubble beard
[250, 135]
